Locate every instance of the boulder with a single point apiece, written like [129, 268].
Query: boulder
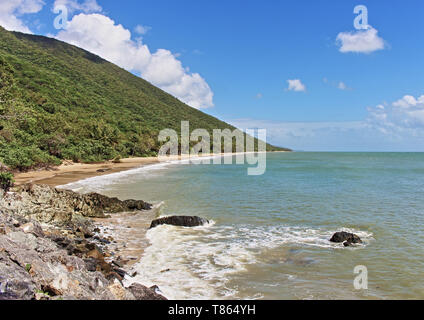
[180, 221]
[141, 292]
[346, 237]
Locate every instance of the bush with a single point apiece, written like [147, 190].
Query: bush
[6, 181]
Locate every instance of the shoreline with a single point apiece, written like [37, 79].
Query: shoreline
[128, 231]
[70, 172]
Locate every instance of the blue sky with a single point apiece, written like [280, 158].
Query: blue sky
[233, 59]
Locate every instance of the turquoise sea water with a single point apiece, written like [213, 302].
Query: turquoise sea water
[269, 235]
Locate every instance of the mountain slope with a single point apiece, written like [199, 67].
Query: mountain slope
[58, 102]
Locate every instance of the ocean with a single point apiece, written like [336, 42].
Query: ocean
[269, 235]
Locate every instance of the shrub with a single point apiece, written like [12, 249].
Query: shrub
[6, 181]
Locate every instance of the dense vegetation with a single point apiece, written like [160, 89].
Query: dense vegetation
[61, 102]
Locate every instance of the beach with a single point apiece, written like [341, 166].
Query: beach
[69, 171]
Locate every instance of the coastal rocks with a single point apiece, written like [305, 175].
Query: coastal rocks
[180, 221]
[50, 249]
[32, 265]
[347, 238]
[60, 207]
[141, 292]
[40, 263]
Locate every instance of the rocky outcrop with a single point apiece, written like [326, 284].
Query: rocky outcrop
[64, 257]
[347, 238]
[49, 205]
[32, 265]
[180, 221]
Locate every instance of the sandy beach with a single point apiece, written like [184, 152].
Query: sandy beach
[69, 171]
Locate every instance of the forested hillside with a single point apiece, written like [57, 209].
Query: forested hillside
[61, 102]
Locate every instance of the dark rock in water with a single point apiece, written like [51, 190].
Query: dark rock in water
[141, 292]
[180, 221]
[346, 237]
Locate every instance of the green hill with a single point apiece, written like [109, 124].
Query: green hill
[58, 102]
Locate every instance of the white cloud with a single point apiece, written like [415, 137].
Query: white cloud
[342, 86]
[405, 114]
[142, 30]
[361, 41]
[11, 12]
[102, 36]
[259, 96]
[296, 85]
[87, 6]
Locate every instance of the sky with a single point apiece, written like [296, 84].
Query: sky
[303, 70]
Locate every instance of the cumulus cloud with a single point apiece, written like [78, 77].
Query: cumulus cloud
[403, 115]
[11, 12]
[100, 35]
[361, 41]
[296, 85]
[87, 6]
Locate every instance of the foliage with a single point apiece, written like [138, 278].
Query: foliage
[61, 102]
[6, 181]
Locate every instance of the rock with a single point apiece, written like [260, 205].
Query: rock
[91, 264]
[118, 263]
[348, 238]
[95, 254]
[57, 261]
[180, 221]
[61, 207]
[33, 228]
[120, 293]
[141, 292]
[41, 296]
[16, 223]
[120, 272]
[347, 243]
